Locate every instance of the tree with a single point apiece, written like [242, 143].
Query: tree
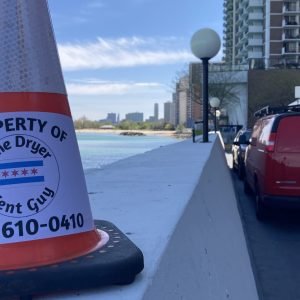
[80, 123]
[180, 128]
[220, 85]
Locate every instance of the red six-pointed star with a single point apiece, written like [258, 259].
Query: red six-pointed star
[34, 171]
[15, 173]
[5, 174]
[24, 172]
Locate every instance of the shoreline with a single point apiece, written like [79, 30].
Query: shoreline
[165, 133]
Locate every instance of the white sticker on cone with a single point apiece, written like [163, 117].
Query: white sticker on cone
[42, 186]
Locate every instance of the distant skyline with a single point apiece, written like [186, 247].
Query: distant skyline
[123, 56]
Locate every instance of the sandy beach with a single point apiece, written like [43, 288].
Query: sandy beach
[169, 133]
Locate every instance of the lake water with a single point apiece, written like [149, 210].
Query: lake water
[99, 149]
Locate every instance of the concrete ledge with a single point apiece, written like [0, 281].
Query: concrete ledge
[177, 204]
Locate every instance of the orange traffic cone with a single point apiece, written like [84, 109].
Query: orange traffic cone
[45, 216]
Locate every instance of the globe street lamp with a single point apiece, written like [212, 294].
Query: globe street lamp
[205, 44]
[218, 114]
[215, 103]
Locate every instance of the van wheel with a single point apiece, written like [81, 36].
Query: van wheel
[259, 206]
[247, 189]
[240, 171]
[233, 165]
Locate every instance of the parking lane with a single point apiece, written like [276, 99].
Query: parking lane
[274, 247]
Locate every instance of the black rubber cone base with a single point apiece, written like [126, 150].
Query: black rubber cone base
[117, 262]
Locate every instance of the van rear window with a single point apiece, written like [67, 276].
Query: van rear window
[288, 135]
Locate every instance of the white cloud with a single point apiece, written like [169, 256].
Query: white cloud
[96, 87]
[122, 52]
[96, 4]
[80, 20]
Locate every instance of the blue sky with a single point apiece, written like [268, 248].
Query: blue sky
[123, 55]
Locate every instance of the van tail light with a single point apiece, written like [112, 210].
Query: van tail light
[270, 145]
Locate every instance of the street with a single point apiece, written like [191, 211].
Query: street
[274, 248]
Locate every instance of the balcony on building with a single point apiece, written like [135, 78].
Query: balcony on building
[290, 37]
[292, 62]
[244, 38]
[239, 45]
[252, 16]
[291, 8]
[227, 17]
[290, 52]
[227, 22]
[242, 30]
[239, 10]
[244, 61]
[239, 55]
[287, 23]
[255, 54]
[246, 3]
[291, 49]
[239, 33]
[286, 62]
[255, 29]
[244, 13]
[238, 22]
[227, 4]
[255, 42]
[245, 50]
[255, 3]
[227, 51]
[228, 7]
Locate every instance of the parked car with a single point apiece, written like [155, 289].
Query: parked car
[272, 160]
[238, 149]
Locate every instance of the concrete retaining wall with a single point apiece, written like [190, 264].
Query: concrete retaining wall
[207, 257]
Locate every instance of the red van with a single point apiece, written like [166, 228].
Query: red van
[272, 160]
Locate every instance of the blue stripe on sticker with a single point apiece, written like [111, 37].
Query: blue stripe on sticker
[22, 180]
[22, 164]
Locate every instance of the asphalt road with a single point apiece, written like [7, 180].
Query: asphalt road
[274, 248]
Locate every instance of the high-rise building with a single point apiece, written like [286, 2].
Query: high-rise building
[156, 113]
[187, 99]
[244, 34]
[263, 33]
[195, 79]
[169, 112]
[112, 117]
[182, 97]
[135, 117]
[176, 106]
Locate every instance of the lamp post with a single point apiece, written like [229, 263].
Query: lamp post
[205, 44]
[215, 103]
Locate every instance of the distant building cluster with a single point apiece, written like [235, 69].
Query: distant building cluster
[137, 117]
